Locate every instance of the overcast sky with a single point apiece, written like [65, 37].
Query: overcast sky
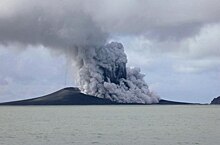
[176, 44]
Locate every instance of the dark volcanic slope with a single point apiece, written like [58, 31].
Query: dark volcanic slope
[66, 96]
[216, 100]
[73, 96]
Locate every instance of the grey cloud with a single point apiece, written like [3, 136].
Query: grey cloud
[161, 19]
[67, 23]
[49, 24]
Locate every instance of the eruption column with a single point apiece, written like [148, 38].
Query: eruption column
[103, 73]
[61, 25]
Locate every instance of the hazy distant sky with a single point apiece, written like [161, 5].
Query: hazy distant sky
[176, 43]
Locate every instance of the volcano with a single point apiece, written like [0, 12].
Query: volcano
[66, 96]
[73, 96]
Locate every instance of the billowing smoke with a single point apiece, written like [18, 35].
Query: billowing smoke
[103, 73]
[69, 28]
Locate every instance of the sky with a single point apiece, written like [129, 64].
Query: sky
[175, 43]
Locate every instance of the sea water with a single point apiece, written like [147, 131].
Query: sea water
[110, 125]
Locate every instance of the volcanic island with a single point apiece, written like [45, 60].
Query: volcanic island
[73, 96]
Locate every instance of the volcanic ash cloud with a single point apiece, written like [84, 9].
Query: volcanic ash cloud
[103, 73]
[68, 27]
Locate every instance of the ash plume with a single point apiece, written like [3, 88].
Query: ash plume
[69, 28]
[103, 73]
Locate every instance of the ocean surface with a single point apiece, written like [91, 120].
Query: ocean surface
[110, 125]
